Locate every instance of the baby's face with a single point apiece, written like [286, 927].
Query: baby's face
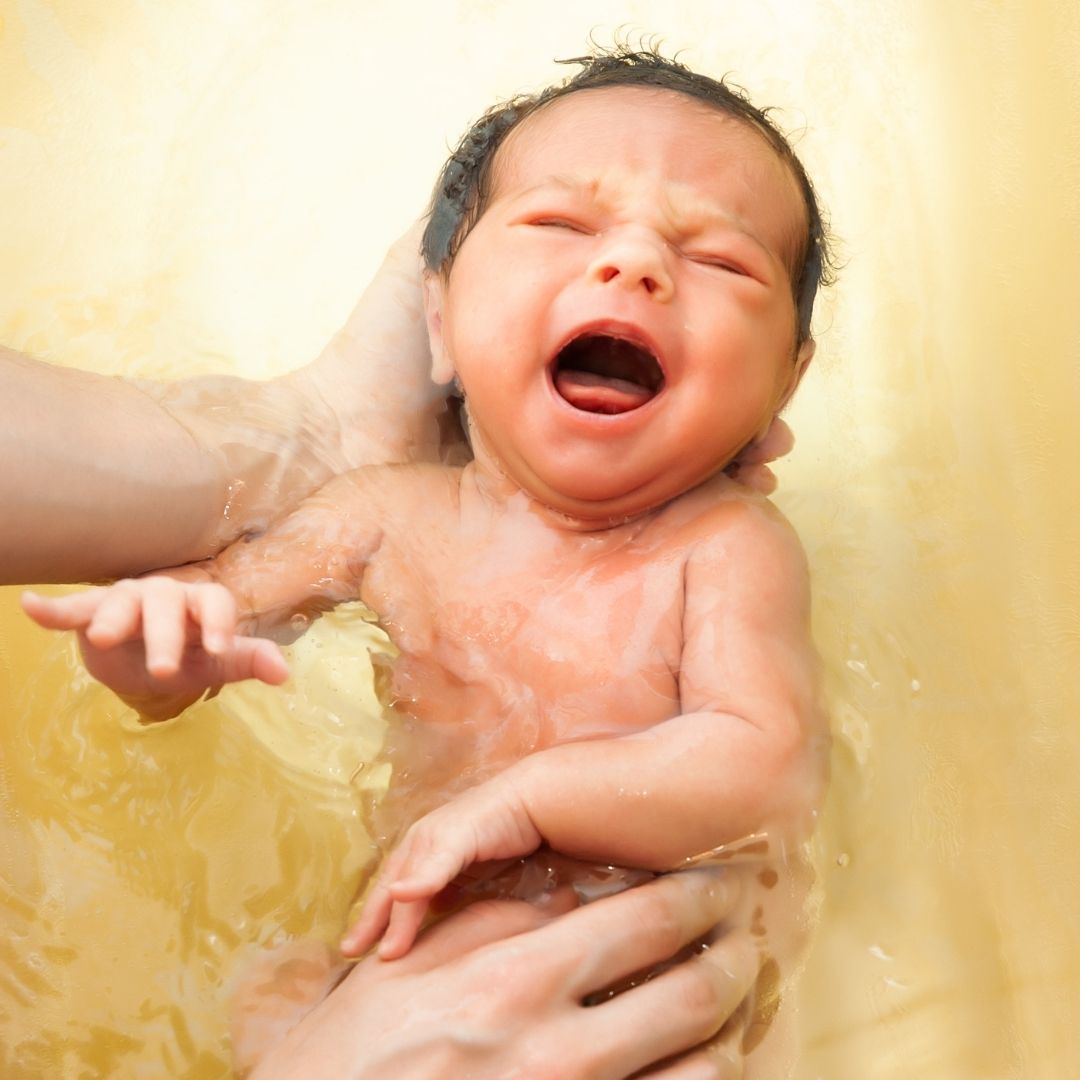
[621, 316]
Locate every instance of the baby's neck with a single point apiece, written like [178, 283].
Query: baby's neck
[488, 492]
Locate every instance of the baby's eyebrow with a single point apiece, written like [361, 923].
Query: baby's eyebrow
[586, 189]
[687, 214]
[694, 217]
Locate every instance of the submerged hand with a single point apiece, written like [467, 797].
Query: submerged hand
[159, 643]
[498, 990]
[490, 821]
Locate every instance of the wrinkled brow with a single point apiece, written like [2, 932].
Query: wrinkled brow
[688, 214]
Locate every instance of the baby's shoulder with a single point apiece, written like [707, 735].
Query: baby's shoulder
[723, 522]
[722, 509]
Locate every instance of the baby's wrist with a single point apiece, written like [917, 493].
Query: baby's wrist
[534, 781]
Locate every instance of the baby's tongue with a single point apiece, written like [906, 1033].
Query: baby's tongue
[596, 393]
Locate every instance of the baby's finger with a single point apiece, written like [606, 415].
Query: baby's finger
[214, 609]
[118, 617]
[373, 920]
[486, 922]
[414, 851]
[423, 882]
[253, 658]
[405, 920]
[61, 612]
[435, 850]
[164, 621]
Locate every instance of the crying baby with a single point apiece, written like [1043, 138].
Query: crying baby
[605, 644]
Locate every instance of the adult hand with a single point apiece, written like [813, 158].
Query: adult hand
[106, 477]
[497, 991]
[751, 467]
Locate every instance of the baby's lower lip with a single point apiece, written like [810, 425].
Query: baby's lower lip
[590, 392]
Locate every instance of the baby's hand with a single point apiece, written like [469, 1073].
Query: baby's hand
[490, 821]
[159, 643]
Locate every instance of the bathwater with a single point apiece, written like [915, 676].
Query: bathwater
[207, 187]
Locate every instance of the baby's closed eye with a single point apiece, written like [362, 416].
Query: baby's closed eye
[567, 223]
[718, 262]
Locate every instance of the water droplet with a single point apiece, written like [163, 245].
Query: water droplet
[843, 859]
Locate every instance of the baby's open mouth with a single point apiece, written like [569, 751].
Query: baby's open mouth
[603, 373]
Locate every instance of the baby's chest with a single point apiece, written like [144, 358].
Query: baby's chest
[578, 650]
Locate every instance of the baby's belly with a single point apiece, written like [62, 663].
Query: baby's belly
[450, 732]
[529, 710]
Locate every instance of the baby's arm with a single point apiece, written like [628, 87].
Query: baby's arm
[746, 755]
[161, 642]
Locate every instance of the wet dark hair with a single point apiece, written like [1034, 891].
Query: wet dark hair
[464, 186]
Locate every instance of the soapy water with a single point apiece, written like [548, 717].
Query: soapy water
[141, 862]
[145, 869]
[150, 869]
[928, 486]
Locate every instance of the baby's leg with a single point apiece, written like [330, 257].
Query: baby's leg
[274, 991]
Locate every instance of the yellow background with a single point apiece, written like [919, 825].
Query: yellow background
[206, 186]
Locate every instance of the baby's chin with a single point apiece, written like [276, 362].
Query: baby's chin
[592, 507]
[597, 483]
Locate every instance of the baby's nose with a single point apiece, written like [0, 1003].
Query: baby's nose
[633, 262]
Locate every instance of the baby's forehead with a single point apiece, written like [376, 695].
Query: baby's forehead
[596, 145]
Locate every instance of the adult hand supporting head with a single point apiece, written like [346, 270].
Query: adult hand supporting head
[497, 991]
[751, 467]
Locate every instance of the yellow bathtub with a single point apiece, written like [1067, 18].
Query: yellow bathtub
[206, 187]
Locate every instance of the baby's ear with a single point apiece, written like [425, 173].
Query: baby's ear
[442, 367]
[802, 362]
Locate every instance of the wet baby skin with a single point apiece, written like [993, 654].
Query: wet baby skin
[604, 642]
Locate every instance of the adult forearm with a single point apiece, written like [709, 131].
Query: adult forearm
[96, 480]
[106, 477]
[655, 798]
